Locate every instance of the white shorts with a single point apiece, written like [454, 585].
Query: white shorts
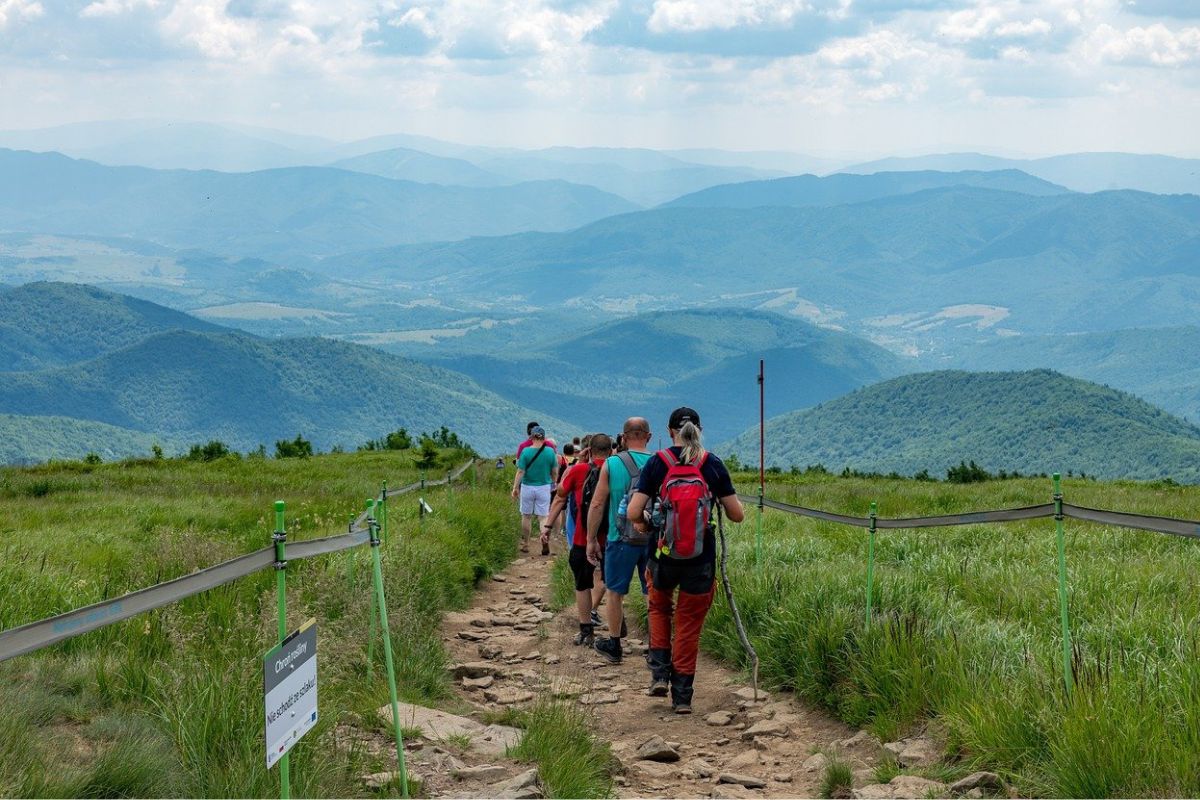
[535, 500]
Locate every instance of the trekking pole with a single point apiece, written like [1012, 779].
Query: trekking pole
[751, 653]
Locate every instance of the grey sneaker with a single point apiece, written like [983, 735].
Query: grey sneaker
[659, 687]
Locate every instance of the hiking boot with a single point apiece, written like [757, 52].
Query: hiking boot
[596, 619]
[608, 649]
[586, 634]
[658, 660]
[681, 693]
[659, 687]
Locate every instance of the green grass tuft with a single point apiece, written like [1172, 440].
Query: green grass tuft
[571, 761]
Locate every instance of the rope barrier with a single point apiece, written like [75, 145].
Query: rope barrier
[45, 632]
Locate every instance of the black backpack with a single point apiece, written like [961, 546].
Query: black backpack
[585, 503]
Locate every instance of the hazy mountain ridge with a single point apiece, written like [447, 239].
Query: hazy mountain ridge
[1032, 422]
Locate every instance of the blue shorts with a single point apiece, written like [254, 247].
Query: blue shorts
[621, 561]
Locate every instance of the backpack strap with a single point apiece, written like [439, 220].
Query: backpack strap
[630, 464]
[668, 458]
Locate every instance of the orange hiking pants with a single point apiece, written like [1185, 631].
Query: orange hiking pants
[686, 616]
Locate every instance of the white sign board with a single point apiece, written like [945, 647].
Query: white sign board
[290, 691]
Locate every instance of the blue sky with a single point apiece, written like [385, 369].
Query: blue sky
[854, 77]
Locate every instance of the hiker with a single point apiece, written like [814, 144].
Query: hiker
[571, 494]
[529, 439]
[686, 482]
[537, 470]
[625, 553]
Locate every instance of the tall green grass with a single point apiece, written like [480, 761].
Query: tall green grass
[170, 703]
[966, 629]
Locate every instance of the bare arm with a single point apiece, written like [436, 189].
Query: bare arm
[636, 512]
[516, 490]
[733, 508]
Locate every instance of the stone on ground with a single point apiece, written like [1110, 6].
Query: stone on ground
[478, 683]
[915, 753]
[749, 781]
[984, 781]
[482, 772]
[766, 727]
[656, 749]
[507, 697]
[719, 718]
[747, 693]
[599, 699]
[816, 763]
[902, 787]
[474, 669]
[439, 726]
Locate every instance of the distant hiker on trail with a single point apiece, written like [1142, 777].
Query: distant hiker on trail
[537, 470]
[571, 493]
[684, 482]
[626, 550]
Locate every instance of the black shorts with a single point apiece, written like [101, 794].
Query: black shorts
[691, 576]
[581, 568]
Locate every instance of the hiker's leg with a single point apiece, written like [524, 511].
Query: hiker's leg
[584, 573]
[660, 608]
[696, 592]
[526, 523]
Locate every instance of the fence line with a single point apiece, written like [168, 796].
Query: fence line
[45, 632]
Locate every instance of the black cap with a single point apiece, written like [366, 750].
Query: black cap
[681, 415]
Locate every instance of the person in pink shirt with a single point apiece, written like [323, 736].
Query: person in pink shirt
[528, 441]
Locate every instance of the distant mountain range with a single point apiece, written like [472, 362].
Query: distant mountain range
[809, 190]
[296, 213]
[921, 268]
[1033, 422]
[187, 381]
[1081, 172]
[651, 363]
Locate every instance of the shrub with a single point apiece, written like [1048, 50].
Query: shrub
[208, 452]
[296, 448]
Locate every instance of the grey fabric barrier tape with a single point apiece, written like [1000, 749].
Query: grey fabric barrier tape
[970, 518]
[861, 522]
[1175, 527]
[35, 635]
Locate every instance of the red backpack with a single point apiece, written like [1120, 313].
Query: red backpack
[686, 504]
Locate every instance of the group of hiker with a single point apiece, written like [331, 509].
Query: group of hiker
[628, 512]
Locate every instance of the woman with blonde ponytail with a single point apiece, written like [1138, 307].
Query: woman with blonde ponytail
[683, 483]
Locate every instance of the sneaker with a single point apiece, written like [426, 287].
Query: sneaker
[659, 687]
[608, 649]
[682, 708]
[545, 549]
[587, 639]
[596, 619]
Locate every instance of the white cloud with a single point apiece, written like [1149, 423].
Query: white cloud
[1156, 45]
[704, 15]
[204, 26]
[113, 8]
[19, 11]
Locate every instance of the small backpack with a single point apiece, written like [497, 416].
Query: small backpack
[625, 530]
[585, 503]
[686, 504]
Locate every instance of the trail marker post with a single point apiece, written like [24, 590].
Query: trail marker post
[449, 493]
[381, 602]
[1068, 676]
[279, 537]
[871, 559]
[383, 511]
[374, 620]
[762, 463]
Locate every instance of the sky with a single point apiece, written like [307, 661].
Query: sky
[826, 77]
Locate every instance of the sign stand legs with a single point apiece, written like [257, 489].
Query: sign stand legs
[381, 602]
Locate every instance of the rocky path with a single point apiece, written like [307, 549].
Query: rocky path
[510, 650]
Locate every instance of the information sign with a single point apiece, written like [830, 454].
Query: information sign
[290, 690]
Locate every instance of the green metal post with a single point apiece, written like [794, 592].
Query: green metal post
[421, 510]
[871, 560]
[280, 539]
[387, 657]
[1068, 676]
[449, 493]
[374, 621]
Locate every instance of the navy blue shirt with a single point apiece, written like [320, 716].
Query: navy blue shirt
[716, 475]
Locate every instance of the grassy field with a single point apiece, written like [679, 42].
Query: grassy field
[170, 703]
[966, 628]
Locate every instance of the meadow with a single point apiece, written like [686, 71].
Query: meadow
[170, 703]
[965, 636]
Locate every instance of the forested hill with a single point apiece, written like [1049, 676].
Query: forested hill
[1033, 422]
[52, 324]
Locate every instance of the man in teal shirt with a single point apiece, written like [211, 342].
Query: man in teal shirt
[537, 470]
[622, 558]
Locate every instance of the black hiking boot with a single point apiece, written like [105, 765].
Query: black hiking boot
[586, 635]
[681, 693]
[659, 662]
[608, 649]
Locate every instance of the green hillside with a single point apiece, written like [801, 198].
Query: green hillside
[1160, 364]
[52, 324]
[296, 212]
[25, 439]
[810, 190]
[649, 364]
[191, 386]
[1035, 421]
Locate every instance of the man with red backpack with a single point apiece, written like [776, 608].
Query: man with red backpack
[682, 486]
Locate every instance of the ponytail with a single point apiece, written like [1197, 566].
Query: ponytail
[691, 442]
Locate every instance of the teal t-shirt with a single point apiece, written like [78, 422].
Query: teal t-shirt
[537, 472]
[618, 484]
